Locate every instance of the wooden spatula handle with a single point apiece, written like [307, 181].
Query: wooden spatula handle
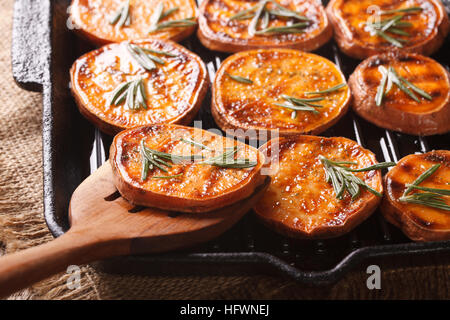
[21, 269]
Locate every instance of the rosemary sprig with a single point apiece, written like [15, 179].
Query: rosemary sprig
[132, 92]
[153, 158]
[182, 23]
[226, 160]
[428, 199]
[195, 143]
[433, 198]
[260, 14]
[411, 9]
[160, 14]
[425, 175]
[122, 16]
[293, 28]
[164, 53]
[239, 78]
[168, 177]
[390, 77]
[393, 25]
[145, 60]
[342, 178]
[332, 89]
[254, 22]
[298, 104]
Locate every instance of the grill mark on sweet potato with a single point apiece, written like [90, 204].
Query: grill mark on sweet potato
[437, 158]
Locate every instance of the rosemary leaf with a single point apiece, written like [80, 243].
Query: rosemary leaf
[398, 82]
[416, 89]
[332, 89]
[168, 177]
[141, 57]
[407, 10]
[122, 16]
[426, 199]
[293, 28]
[197, 144]
[254, 22]
[285, 12]
[298, 108]
[390, 39]
[239, 79]
[381, 88]
[444, 192]
[168, 13]
[164, 53]
[182, 23]
[241, 14]
[422, 178]
[342, 178]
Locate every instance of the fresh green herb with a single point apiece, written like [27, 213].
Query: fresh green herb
[168, 177]
[342, 178]
[197, 144]
[226, 160]
[153, 158]
[132, 92]
[164, 53]
[239, 79]
[390, 77]
[160, 14]
[433, 198]
[145, 60]
[408, 10]
[332, 89]
[298, 104]
[422, 178]
[122, 16]
[293, 28]
[393, 25]
[260, 15]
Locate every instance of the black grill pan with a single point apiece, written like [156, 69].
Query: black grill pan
[43, 50]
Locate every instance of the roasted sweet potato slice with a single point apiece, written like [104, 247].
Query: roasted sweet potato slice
[421, 27]
[105, 21]
[197, 182]
[172, 89]
[271, 76]
[233, 25]
[299, 201]
[426, 114]
[418, 221]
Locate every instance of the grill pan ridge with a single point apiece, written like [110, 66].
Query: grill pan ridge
[43, 50]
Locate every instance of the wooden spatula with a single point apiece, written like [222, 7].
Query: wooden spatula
[103, 225]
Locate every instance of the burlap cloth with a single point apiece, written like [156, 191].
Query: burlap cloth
[22, 226]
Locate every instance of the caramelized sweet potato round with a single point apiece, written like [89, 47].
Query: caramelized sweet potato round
[92, 20]
[218, 31]
[275, 73]
[299, 202]
[418, 222]
[174, 90]
[194, 187]
[422, 31]
[398, 110]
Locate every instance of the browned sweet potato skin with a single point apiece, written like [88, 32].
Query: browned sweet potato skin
[418, 222]
[277, 72]
[200, 188]
[399, 112]
[217, 32]
[91, 19]
[430, 27]
[174, 90]
[299, 202]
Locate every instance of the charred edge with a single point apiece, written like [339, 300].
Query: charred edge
[136, 209]
[113, 196]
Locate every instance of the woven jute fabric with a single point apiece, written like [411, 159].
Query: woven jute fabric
[22, 226]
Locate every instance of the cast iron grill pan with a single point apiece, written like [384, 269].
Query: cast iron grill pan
[43, 50]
